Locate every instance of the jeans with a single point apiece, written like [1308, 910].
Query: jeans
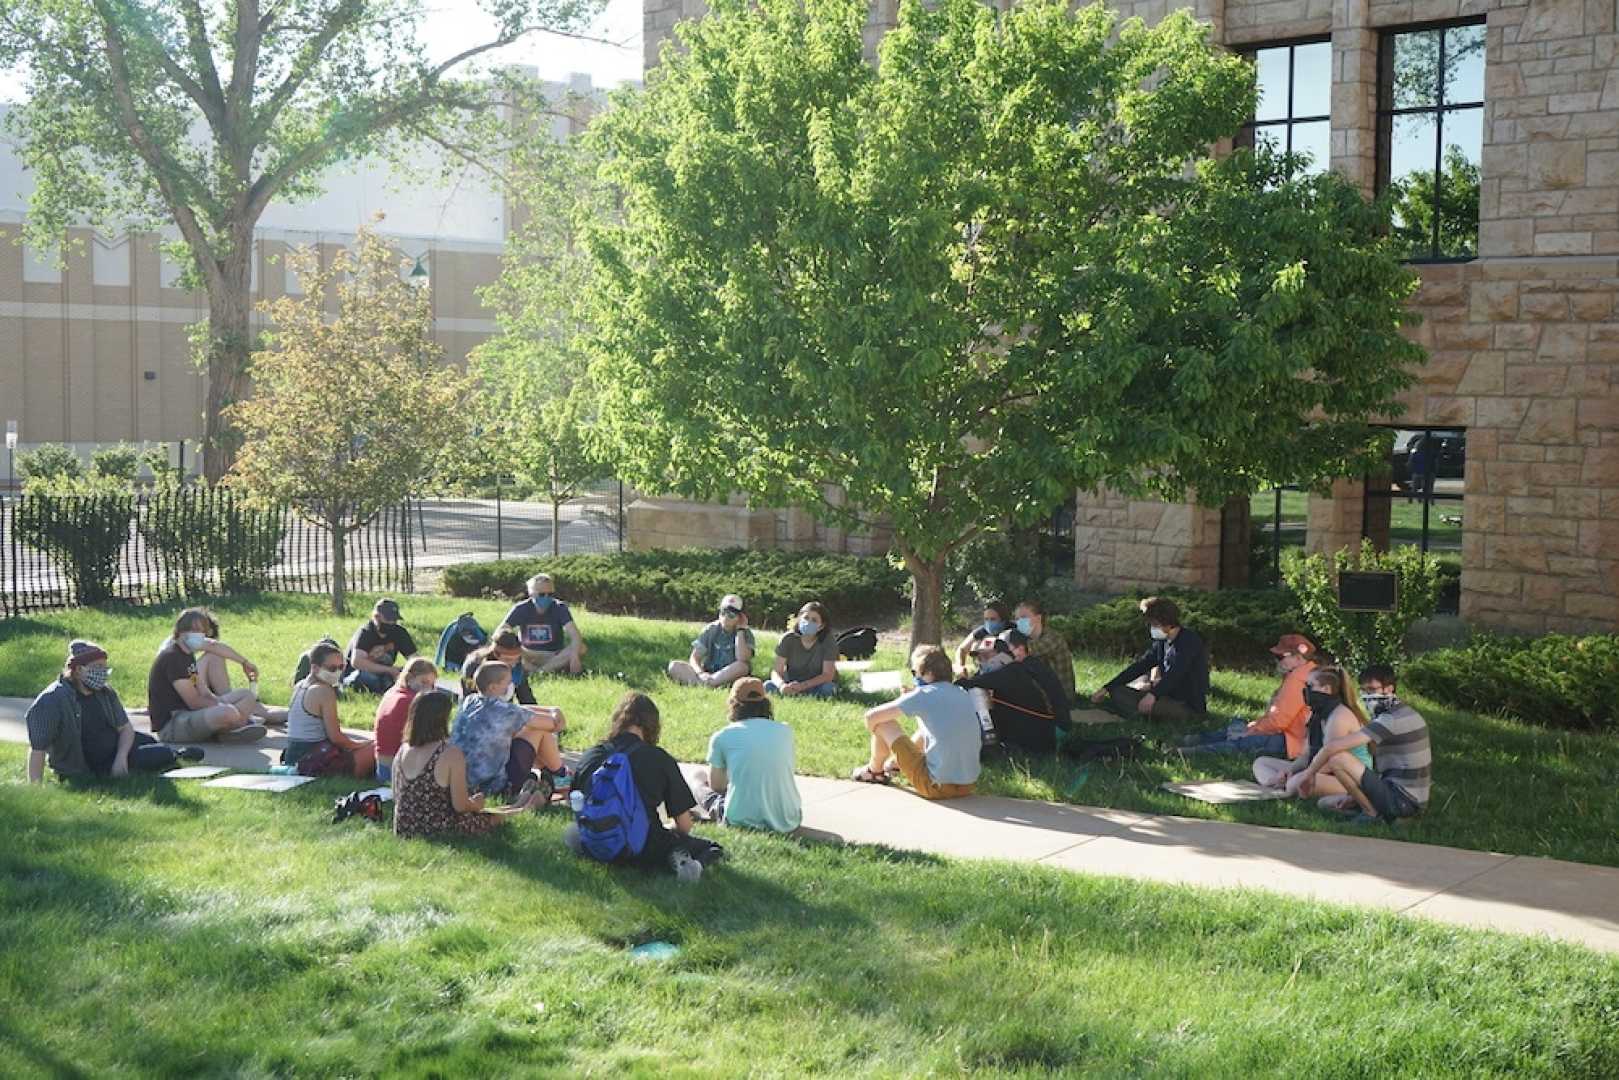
[1219, 742]
[367, 682]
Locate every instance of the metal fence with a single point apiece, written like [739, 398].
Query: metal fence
[450, 530]
[61, 551]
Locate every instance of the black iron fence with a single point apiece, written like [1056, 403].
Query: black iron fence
[158, 547]
[497, 525]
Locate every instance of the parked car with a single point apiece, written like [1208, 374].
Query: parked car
[1442, 453]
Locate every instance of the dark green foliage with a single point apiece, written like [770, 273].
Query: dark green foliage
[1554, 681]
[209, 541]
[688, 584]
[84, 535]
[117, 462]
[1239, 625]
[49, 462]
[1361, 638]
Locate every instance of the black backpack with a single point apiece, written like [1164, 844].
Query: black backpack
[858, 643]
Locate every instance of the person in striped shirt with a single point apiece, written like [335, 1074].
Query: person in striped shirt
[1399, 784]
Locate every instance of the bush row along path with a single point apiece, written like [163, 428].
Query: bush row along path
[1517, 894]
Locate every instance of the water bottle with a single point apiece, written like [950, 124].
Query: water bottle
[283, 770]
[576, 800]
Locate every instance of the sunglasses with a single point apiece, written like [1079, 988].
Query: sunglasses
[730, 612]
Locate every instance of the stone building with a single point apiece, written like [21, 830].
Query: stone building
[1521, 99]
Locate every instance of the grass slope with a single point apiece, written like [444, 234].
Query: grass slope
[1500, 785]
[149, 928]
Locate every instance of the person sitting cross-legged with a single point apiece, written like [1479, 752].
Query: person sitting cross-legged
[1281, 730]
[504, 647]
[78, 726]
[942, 761]
[550, 638]
[722, 653]
[1398, 786]
[431, 797]
[503, 740]
[377, 648]
[393, 711]
[749, 779]
[1335, 714]
[1170, 681]
[1019, 710]
[213, 674]
[1046, 644]
[312, 719]
[181, 708]
[807, 656]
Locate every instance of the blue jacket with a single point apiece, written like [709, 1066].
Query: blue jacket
[1184, 663]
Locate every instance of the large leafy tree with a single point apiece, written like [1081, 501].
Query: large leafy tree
[999, 265]
[200, 112]
[535, 401]
[351, 408]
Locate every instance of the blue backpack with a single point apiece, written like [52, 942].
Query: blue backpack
[613, 823]
[458, 641]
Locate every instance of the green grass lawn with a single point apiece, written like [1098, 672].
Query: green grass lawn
[1500, 785]
[1405, 520]
[149, 928]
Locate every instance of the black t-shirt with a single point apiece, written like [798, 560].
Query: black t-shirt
[171, 664]
[1022, 715]
[657, 776]
[1048, 682]
[101, 715]
[384, 643]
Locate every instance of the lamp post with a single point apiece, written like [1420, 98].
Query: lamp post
[11, 456]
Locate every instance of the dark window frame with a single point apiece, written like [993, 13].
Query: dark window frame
[1250, 52]
[1386, 112]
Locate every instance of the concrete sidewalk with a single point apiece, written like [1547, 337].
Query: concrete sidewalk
[1517, 894]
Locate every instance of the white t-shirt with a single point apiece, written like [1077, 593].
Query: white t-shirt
[948, 733]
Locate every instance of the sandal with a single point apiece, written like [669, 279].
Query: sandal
[864, 775]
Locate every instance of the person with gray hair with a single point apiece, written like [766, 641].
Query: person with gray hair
[79, 727]
[550, 639]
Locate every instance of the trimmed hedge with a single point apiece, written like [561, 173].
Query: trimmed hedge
[688, 584]
[1552, 681]
[1239, 625]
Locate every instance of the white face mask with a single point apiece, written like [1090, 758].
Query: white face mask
[420, 686]
[193, 640]
[510, 693]
[1158, 633]
[330, 678]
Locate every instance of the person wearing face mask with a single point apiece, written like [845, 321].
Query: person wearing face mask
[419, 677]
[807, 658]
[78, 726]
[182, 709]
[1399, 786]
[503, 741]
[505, 648]
[1335, 713]
[551, 639]
[1281, 730]
[722, 653]
[312, 718]
[996, 621]
[1170, 681]
[1049, 647]
[942, 761]
[1019, 711]
[376, 650]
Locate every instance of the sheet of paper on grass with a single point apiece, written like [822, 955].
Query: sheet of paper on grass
[872, 682]
[194, 772]
[1225, 791]
[854, 665]
[258, 782]
[1092, 716]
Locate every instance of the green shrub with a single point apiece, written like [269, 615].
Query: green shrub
[208, 541]
[82, 525]
[1361, 638]
[1553, 681]
[49, 462]
[688, 584]
[156, 460]
[1239, 625]
[117, 462]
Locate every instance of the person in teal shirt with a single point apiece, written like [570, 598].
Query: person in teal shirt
[749, 781]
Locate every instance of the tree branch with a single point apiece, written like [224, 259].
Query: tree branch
[301, 68]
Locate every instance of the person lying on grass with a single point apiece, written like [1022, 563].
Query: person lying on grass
[214, 675]
[182, 709]
[634, 731]
[312, 718]
[749, 778]
[997, 619]
[1399, 786]
[431, 797]
[1281, 729]
[506, 648]
[722, 653]
[1170, 681]
[419, 677]
[1335, 713]
[503, 740]
[942, 762]
[78, 726]
[807, 657]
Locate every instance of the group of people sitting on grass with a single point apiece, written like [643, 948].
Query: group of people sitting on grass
[445, 753]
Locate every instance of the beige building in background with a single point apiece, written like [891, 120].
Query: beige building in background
[98, 352]
[1522, 334]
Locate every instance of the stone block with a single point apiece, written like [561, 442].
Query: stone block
[1494, 301]
[1550, 475]
[1565, 342]
[1146, 515]
[1557, 165]
[1599, 539]
[1543, 306]
[1537, 506]
[1602, 610]
[1486, 374]
[1591, 306]
[1573, 566]
[1563, 243]
[1501, 412]
[1525, 553]
[1493, 582]
[1441, 410]
[1601, 467]
[1576, 504]
[1548, 420]
[1516, 336]
[1485, 513]
[1601, 413]
[1536, 380]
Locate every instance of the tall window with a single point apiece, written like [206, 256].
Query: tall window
[1431, 117]
[1295, 101]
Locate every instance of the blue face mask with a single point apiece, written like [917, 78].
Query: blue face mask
[808, 627]
[1025, 626]
[543, 602]
[920, 681]
[993, 626]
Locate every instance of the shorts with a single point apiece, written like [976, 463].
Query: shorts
[187, 725]
[385, 770]
[914, 767]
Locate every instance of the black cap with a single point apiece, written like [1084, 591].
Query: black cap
[388, 608]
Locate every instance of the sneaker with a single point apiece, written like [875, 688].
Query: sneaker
[189, 753]
[687, 869]
[247, 733]
[712, 854]
[1366, 820]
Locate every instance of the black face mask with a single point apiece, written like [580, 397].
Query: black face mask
[1320, 701]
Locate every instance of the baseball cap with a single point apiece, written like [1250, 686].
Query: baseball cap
[749, 689]
[388, 608]
[1293, 643]
[732, 601]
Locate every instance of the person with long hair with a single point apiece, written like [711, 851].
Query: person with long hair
[420, 676]
[997, 620]
[807, 657]
[1335, 712]
[1400, 784]
[430, 776]
[749, 781]
[312, 717]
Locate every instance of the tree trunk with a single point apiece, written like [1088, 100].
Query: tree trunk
[927, 599]
[230, 346]
[340, 565]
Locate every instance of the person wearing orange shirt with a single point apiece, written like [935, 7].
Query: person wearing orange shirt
[1281, 731]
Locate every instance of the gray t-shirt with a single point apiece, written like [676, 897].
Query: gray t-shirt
[1404, 753]
[717, 647]
[803, 662]
[948, 733]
